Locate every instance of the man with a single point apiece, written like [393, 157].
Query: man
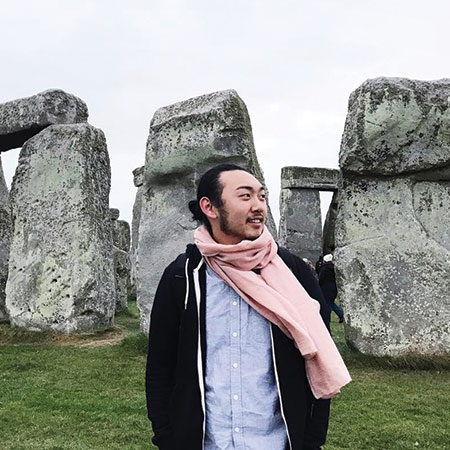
[327, 283]
[225, 368]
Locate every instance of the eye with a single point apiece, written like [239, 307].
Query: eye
[247, 195]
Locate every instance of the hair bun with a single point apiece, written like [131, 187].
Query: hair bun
[194, 207]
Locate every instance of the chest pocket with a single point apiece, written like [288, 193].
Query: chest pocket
[256, 329]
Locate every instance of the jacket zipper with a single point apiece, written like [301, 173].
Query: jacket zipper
[278, 387]
[187, 283]
[200, 363]
[201, 381]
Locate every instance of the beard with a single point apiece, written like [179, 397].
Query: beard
[223, 221]
[225, 227]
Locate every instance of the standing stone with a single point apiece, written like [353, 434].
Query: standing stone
[121, 243]
[185, 140]
[392, 235]
[300, 214]
[61, 274]
[122, 272]
[138, 178]
[328, 240]
[23, 118]
[301, 222]
[5, 240]
[121, 231]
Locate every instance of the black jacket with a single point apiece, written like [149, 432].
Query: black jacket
[327, 281]
[176, 363]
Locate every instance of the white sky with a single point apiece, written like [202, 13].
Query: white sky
[294, 63]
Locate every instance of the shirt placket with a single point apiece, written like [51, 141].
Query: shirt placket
[236, 385]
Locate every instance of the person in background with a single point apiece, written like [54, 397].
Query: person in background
[319, 264]
[327, 282]
[311, 266]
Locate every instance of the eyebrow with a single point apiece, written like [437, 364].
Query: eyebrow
[250, 188]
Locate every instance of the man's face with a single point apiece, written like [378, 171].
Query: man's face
[243, 213]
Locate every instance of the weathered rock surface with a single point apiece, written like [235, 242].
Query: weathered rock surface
[185, 140]
[61, 272]
[300, 227]
[122, 273]
[5, 241]
[138, 178]
[395, 125]
[121, 234]
[392, 237]
[328, 233]
[121, 241]
[301, 222]
[23, 118]
[309, 178]
[115, 213]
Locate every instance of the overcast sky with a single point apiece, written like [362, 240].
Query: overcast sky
[294, 63]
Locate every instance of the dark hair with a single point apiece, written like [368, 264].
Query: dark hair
[210, 186]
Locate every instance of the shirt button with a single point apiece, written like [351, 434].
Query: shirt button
[236, 397]
[235, 334]
[235, 365]
[237, 429]
[234, 303]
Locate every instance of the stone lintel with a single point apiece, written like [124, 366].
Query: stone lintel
[219, 103]
[138, 176]
[294, 177]
[397, 126]
[115, 213]
[23, 118]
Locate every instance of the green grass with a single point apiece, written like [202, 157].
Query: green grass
[76, 398]
[390, 404]
[54, 397]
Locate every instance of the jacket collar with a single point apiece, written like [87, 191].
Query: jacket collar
[194, 255]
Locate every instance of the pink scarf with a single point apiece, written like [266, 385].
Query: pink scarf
[278, 296]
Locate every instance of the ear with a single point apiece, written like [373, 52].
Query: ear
[208, 208]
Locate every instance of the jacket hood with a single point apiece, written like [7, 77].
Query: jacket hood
[193, 253]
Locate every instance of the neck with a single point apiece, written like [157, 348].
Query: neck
[224, 239]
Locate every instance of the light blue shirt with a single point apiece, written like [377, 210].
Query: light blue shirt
[242, 403]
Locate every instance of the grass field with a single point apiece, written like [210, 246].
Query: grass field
[65, 393]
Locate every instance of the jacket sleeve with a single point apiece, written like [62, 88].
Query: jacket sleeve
[317, 420]
[161, 360]
[308, 281]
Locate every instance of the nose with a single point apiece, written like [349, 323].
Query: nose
[258, 205]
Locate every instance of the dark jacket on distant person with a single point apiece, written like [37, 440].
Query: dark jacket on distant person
[327, 281]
